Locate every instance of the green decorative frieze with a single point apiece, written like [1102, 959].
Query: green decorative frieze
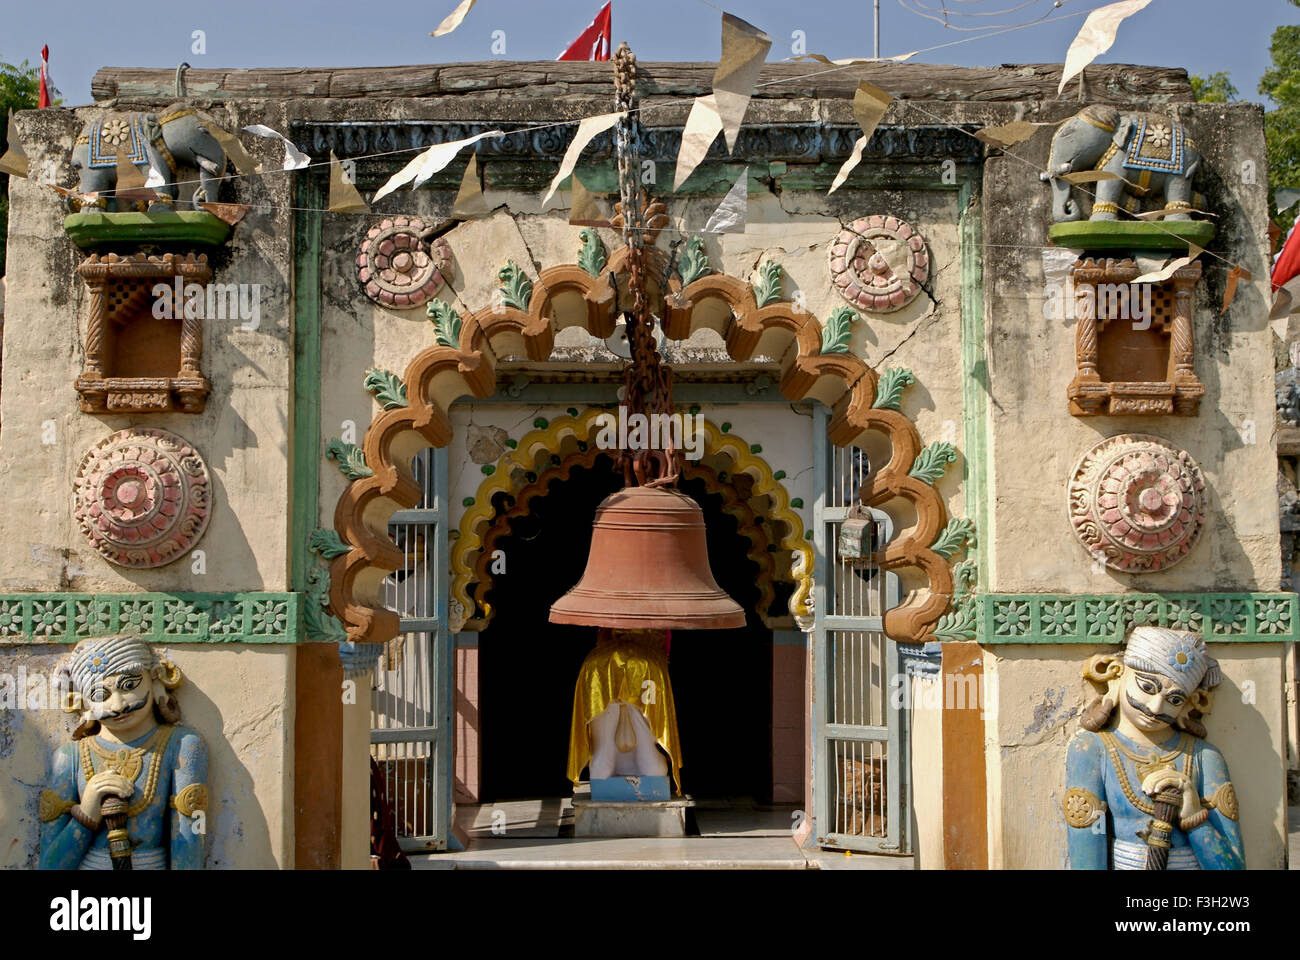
[889, 391]
[1106, 618]
[387, 388]
[695, 263]
[951, 537]
[446, 323]
[839, 330]
[328, 544]
[768, 288]
[933, 461]
[349, 458]
[156, 617]
[518, 289]
[592, 256]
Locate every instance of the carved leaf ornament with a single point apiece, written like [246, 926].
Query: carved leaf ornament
[462, 362]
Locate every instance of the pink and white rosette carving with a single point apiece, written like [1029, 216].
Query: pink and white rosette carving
[879, 263]
[143, 497]
[398, 266]
[1137, 503]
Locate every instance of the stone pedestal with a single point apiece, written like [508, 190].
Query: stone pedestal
[595, 818]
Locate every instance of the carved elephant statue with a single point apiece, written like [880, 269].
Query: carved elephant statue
[166, 141]
[1149, 154]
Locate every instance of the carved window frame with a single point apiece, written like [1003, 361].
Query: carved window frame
[1180, 392]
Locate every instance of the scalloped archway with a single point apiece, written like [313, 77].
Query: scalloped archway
[569, 439]
[463, 362]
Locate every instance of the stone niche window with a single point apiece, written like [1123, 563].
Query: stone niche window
[143, 351]
[1134, 353]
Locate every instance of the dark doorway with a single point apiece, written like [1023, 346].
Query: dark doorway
[722, 679]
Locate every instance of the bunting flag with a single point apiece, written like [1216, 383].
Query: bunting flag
[584, 210]
[1230, 291]
[470, 202]
[588, 130]
[453, 19]
[344, 195]
[425, 165]
[1167, 271]
[14, 161]
[869, 105]
[702, 127]
[294, 159]
[1096, 36]
[1009, 134]
[730, 215]
[744, 48]
[851, 62]
[235, 152]
[43, 100]
[594, 42]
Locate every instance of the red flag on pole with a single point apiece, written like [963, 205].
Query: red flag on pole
[1288, 261]
[593, 43]
[44, 100]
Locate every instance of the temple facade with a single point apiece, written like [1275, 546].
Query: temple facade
[954, 433]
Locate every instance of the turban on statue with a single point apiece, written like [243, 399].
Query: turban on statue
[1177, 654]
[100, 657]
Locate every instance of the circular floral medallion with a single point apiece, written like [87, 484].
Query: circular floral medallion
[879, 263]
[1137, 503]
[398, 267]
[143, 497]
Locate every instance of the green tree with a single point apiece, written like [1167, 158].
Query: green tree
[1281, 82]
[19, 90]
[1216, 88]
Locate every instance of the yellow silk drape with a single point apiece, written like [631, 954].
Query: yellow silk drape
[617, 669]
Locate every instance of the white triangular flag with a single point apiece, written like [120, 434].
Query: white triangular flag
[425, 164]
[1096, 36]
[744, 48]
[453, 19]
[702, 127]
[294, 159]
[869, 106]
[588, 129]
[730, 215]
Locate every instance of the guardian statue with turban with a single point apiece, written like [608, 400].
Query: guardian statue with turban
[130, 790]
[1142, 738]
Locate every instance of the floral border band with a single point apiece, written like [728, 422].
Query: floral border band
[156, 617]
[1106, 618]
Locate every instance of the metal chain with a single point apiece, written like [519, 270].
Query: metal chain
[647, 382]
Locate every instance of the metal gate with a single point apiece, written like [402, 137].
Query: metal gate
[410, 716]
[860, 773]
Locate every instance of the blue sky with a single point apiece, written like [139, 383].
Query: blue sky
[1201, 35]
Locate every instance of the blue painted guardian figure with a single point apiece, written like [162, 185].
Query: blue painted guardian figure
[130, 791]
[1153, 743]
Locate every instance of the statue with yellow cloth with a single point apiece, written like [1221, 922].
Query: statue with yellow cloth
[623, 715]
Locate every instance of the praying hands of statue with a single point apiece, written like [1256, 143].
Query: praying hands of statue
[1157, 780]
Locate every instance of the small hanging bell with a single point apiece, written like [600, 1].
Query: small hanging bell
[857, 539]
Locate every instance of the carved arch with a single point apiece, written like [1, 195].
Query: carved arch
[481, 525]
[565, 296]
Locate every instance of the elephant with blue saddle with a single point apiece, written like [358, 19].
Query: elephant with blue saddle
[165, 142]
[1148, 155]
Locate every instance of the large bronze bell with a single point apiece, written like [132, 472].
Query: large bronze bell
[648, 568]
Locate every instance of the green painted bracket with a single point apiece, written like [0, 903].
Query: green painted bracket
[1131, 234]
[162, 226]
[156, 617]
[1106, 618]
